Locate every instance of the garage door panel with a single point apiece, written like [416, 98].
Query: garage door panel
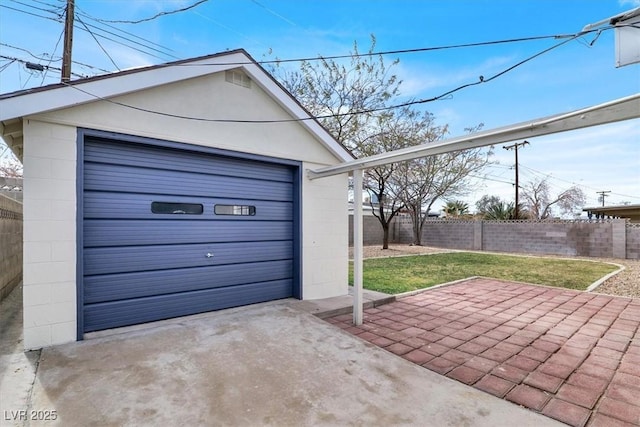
[105, 232]
[122, 313]
[128, 179]
[114, 287]
[169, 232]
[138, 206]
[143, 156]
[166, 257]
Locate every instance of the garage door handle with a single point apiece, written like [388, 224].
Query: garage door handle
[209, 255]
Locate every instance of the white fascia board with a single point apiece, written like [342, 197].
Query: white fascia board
[614, 111]
[296, 111]
[111, 86]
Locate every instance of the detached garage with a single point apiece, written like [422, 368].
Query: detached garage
[168, 191]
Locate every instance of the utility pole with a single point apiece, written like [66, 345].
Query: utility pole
[515, 148]
[68, 42]
[603, 194]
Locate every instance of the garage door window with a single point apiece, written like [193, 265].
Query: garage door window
[240, 210]
[176, 208]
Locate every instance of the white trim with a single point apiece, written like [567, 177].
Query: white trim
[618, 110]
[358, 251]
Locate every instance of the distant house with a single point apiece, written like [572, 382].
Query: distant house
[622, 211]
[171, 190]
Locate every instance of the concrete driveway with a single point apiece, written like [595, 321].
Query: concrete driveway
[268, 364]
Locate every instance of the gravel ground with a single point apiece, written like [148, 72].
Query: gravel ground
[625, 283]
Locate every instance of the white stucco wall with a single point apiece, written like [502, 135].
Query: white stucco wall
[50, 186]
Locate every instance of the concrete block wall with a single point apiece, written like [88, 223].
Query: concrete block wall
[49, 288]
[449, 234]
[10, 245]
[553, 237]
[372, 230]
[633, 241]
[403, 229]
[615, 238]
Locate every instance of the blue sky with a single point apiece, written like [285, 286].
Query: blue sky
[573, 76]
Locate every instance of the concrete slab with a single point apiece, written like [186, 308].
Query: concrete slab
[267, 364]
[328, 307]
[17, 368]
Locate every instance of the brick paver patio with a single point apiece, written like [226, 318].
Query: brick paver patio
[571, 355]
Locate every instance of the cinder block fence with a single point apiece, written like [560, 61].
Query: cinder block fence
[605, 238]
[10, 245]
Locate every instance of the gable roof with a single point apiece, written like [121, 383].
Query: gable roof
[23, 103]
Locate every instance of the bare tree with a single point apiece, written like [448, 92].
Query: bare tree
[486, 203]
[10, 166]
[345, 96]
[431, 178]
[541, 203]
[349, 100]
[403, 128]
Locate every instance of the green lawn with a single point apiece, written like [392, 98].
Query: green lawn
[402, 274]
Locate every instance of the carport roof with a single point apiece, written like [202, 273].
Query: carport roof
[623, 211]
[16, 105]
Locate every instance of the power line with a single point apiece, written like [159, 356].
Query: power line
[481, 80]
[59, 20]
[54, 59]
[570, 37]
[25, 62]
[52, 11]
[98, 42]
[146, 46]
[86, 15]
[346, 56]
[82, 64]
[54, 52]
[274, 13]
[124, 44]
[29, 52]
[546, 175]
[48, 4]
[157, 15]
[221, 25]
[5, 66]
[494, 179]
[318, 58]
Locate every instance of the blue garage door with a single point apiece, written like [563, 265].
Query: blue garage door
[169, 232]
